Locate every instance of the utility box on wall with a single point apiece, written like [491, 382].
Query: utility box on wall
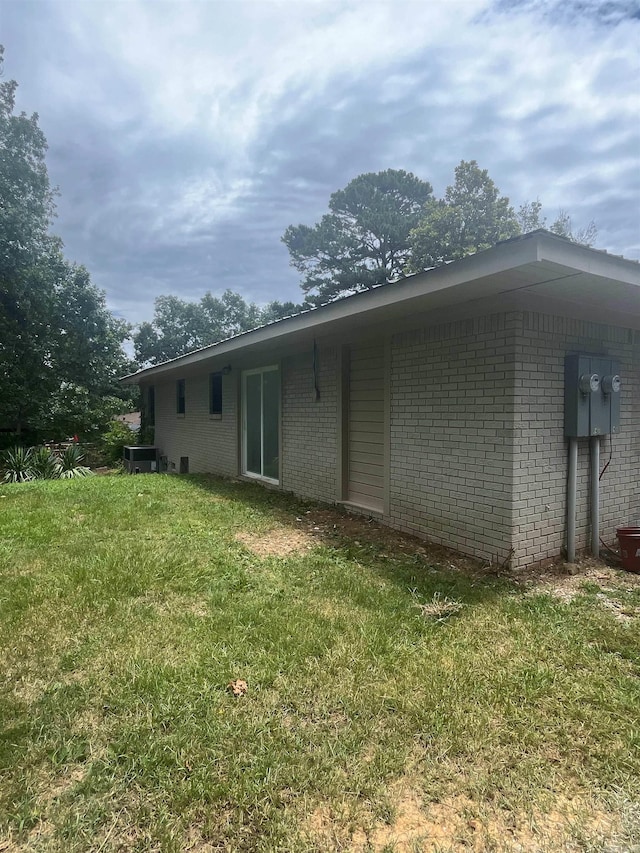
[591, 395]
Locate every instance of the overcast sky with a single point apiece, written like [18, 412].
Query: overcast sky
[186, 136]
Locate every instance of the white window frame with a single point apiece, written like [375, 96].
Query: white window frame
[252, 474]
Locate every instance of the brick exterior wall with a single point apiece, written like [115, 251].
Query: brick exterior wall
[310, 426]
[541, 454]
[210, 442]
[477, 457]
[451, 433]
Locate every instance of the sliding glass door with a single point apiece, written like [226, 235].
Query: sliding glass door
[261, 423]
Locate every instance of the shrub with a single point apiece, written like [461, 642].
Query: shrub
[17, 465]
[70, 466]
[45, 465]
[114, 440]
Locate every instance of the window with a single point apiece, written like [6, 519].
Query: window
[180, 396]
[261, 423]
[215, 393]
[151, 405]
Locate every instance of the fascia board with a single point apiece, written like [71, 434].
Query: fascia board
[502, 258]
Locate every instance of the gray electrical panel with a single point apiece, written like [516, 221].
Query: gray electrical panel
[591, 395]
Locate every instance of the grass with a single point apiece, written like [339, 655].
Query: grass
[392, 704]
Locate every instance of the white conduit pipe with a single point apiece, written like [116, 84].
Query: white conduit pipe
[572, 487]
[594, 443]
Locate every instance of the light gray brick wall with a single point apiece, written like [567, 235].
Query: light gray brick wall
[478, 458]
[541, 452]
[210, 442]
[451, 434]
[310, 426]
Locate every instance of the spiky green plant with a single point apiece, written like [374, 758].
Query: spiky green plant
[17, 465]
[70, 463]
[45, 465]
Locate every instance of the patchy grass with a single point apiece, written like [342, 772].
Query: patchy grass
[492, 716]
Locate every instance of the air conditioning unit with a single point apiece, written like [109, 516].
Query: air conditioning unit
[140, 459]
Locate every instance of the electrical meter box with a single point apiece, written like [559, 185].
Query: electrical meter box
[591, 395]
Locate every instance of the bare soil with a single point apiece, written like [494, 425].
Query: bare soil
[459, 825]
[329, 525]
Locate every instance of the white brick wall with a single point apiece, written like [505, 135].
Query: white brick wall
[540, 462]
[310, 426]
[452, 434]
[210, 443]
[478, 458]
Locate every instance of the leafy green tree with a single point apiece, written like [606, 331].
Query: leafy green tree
[530, 218]
[364, 240]
[60, 348]
[27, 200]
[279, 310]
[179, 326]
[471, 217]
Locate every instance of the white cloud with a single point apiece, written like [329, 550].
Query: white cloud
[214, 125]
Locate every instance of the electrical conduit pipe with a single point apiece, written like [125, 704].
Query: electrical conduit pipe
[572, 487]
[594, 448]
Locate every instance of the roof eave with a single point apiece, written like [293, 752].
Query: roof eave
[538, 246]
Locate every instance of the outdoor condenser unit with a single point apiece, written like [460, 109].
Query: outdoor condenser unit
[140, 459]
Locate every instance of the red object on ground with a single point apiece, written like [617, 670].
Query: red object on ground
[629, 539]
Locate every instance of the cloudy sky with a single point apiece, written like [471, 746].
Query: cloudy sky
[186, 136]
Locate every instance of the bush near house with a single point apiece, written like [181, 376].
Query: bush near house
[114, 439]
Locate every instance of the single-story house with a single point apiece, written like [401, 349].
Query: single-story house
[435, 403]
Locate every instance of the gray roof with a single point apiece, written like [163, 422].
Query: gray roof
[539, 265]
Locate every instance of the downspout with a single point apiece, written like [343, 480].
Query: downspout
[594, 443]
[572, 487]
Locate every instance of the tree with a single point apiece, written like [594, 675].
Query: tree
[60, 348]
[530, 218]
[563, 228]
[179, 326]
[280, 310]
[26, 198]
[471, 217]
[62, 355]
[364, 240]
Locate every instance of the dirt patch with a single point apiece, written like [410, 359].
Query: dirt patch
[333, 524]
[566, 582]
[459, 825]
[63, 784]
[278, 542]
[336, 527]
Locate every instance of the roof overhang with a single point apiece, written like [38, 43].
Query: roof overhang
[538, 266]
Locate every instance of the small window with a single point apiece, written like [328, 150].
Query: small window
[151, 405]
[215, 393]
[180, 397]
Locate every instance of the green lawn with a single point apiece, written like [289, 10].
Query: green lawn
[495, 717]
